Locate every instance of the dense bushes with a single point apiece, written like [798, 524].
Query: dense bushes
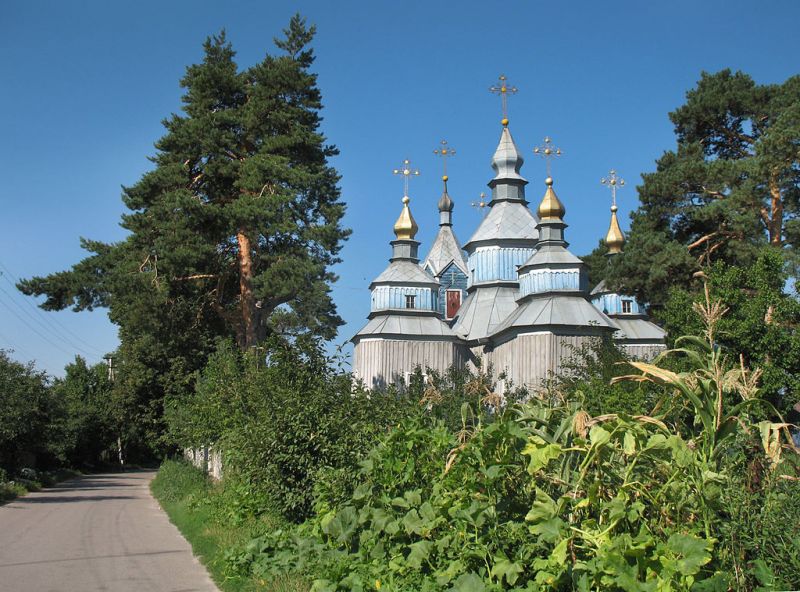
[29, 417]
[47, 425]
[445, 485]
[283, 420]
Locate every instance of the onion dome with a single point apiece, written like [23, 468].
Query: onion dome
[551, 206]
[615, 239]
[406, 227]
[445, 203]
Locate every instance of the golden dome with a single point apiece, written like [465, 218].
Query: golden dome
[405, 227]
[614, 238]
[550, 207]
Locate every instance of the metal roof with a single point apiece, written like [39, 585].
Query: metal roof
[405, 271]
[507, 159]
[552, 255]
[556, 310]
[445, 249]
[507, 220]
[600, 288]
[639, 329]
[406, 326]
[483, 310]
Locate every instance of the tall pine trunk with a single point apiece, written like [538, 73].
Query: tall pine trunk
[775, 226]
[247, 333]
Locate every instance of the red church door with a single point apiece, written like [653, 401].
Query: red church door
[453, 302]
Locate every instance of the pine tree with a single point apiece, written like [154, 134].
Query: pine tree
[731, 185]
[232, 233]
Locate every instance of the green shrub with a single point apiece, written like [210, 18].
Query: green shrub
[534, 498]
[177, 479]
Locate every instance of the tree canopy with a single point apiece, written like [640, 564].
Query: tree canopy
[231, 234]
[731, 185]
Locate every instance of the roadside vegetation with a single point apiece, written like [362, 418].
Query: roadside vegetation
[49, 428]
[686, 484]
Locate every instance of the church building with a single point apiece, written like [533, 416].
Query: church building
[513, 298]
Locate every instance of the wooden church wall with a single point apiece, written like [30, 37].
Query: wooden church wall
[529, 359]
[381, 362]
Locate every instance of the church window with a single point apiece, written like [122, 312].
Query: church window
[627, 305]
[410, 301]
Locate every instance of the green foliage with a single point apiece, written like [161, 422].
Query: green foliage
[540, 495]
[196, 506]
[587, 376]
[761, 322]
[232, 233]
[731, 185]
[30, 417]
[534, 499]
[284, 420]
[87, 426]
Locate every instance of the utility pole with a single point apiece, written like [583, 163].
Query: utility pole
[110, 362]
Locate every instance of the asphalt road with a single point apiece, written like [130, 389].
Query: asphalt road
[99, 532]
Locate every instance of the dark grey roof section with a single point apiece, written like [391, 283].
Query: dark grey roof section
[600, 289]
[445, 249]
[406, 326]
[558, 310]
[483, 310]
[638, 329]
[405, 272]
[506, 220]
[551, 255]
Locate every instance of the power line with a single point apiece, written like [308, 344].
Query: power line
[43, 325]
[75, 338]
[15, 348]
[35, 330]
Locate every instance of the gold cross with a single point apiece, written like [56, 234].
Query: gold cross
[613, 182]
[481, 205]
[547, 151]
[503, 90]
[407, 172]
[445, 152]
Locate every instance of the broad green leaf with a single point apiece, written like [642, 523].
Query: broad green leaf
[420, 551]
[427, 512]
[629, 443]
[507, 570]
[691, 552]
[413, 497]
[598, 435]
[540, 453]
[412, 522]
[548, 531]
[543, 508]
[468, 582]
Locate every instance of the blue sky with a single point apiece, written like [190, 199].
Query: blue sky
[85, 86]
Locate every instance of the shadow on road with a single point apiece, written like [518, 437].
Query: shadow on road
[66, 499]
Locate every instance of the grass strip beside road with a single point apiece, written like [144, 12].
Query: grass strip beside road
[196, 506]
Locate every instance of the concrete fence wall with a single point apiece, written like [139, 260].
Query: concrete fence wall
[207, 459]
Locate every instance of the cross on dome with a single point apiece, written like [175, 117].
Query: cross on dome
[406, 171]
[615, 239]
[480, 205]
[548, 152]
[445, 152]
[503, 89]
[612, 182]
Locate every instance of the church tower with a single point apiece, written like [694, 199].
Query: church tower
[446, 261]
[553, 316]
[405, 329]
[637, 335]
[505, 239]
